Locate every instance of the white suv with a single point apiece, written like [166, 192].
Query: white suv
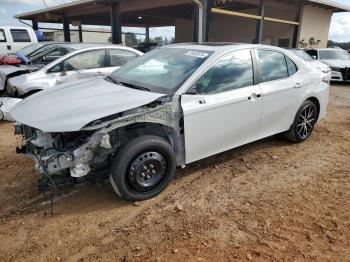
[13, 39]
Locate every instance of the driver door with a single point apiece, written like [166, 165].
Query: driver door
[223, 109]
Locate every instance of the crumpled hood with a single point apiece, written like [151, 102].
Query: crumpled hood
[69, 107]
[337, 63]
[6, 70]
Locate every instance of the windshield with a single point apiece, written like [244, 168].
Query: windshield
[163, 70]
[29, 49]
[337, 54]
[301, 54]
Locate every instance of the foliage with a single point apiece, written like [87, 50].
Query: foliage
[345, 46]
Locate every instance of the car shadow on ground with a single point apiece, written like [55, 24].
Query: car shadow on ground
[99, 197]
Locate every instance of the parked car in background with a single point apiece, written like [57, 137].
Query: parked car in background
[34, 62]
[23, 55]
[308, 59]
[170, 107]
[337, 59]
[83, 61]
[146, 47]
[14, 38]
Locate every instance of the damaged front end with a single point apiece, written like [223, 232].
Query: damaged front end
[76, 152]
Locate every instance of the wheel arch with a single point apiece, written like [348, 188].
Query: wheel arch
[171, 134]
[317, 103]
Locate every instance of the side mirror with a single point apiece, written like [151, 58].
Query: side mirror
[63, 73]
[314, 57]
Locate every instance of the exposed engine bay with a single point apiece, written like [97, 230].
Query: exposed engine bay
[92, 148]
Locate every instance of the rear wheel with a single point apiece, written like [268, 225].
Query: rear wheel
[304, 122]
[143, 168]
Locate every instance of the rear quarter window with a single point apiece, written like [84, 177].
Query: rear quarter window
[292, 68]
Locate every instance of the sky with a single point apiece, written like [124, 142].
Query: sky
[339, 31]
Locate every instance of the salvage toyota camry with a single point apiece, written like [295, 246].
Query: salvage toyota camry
[170, 107]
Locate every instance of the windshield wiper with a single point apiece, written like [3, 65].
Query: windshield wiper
[111, 79]
[135, 86]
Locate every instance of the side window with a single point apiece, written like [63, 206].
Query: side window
[57, 68]
[86, 60]
[273, 65]
[120, 57]
[231, 72]
[20, 35]
[292, 68]
[2, 36]
[312, 53]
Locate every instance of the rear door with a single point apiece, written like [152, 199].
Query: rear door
[223, 108]
[282, 85]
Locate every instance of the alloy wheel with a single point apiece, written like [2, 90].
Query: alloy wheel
[306, 121]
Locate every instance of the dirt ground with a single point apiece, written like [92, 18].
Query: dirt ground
[269, 200]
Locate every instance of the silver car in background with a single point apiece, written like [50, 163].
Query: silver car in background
[337, 59]
[85, 60]
[33, 62]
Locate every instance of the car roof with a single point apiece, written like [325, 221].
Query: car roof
[78, 46]
[222, 46]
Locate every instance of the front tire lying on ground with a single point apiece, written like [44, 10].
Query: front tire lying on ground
[304, 122]
[143, 168]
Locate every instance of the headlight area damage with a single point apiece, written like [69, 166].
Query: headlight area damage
[92, 149]
[78, 152]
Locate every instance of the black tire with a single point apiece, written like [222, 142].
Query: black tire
[128, 176]
[304, 122]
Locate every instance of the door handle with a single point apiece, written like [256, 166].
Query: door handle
[254, 96]
[298, 85]
[202, 101]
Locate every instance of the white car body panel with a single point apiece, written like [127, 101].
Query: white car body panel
[6, 105]
[5, 70]
[89, 99]
[211, 121]
[281, 100]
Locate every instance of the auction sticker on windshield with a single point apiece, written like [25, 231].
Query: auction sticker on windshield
[197, 54]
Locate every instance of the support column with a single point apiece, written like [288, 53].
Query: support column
[116, 23]
[35, 25]
[147, 34]
[80, 33]
[296, 29]
[195, 26]
[206, 18]
[66, 30]
[260, 23]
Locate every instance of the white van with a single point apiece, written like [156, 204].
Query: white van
[13, 39]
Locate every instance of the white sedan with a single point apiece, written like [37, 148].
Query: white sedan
[84, 60]
[170, 107]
